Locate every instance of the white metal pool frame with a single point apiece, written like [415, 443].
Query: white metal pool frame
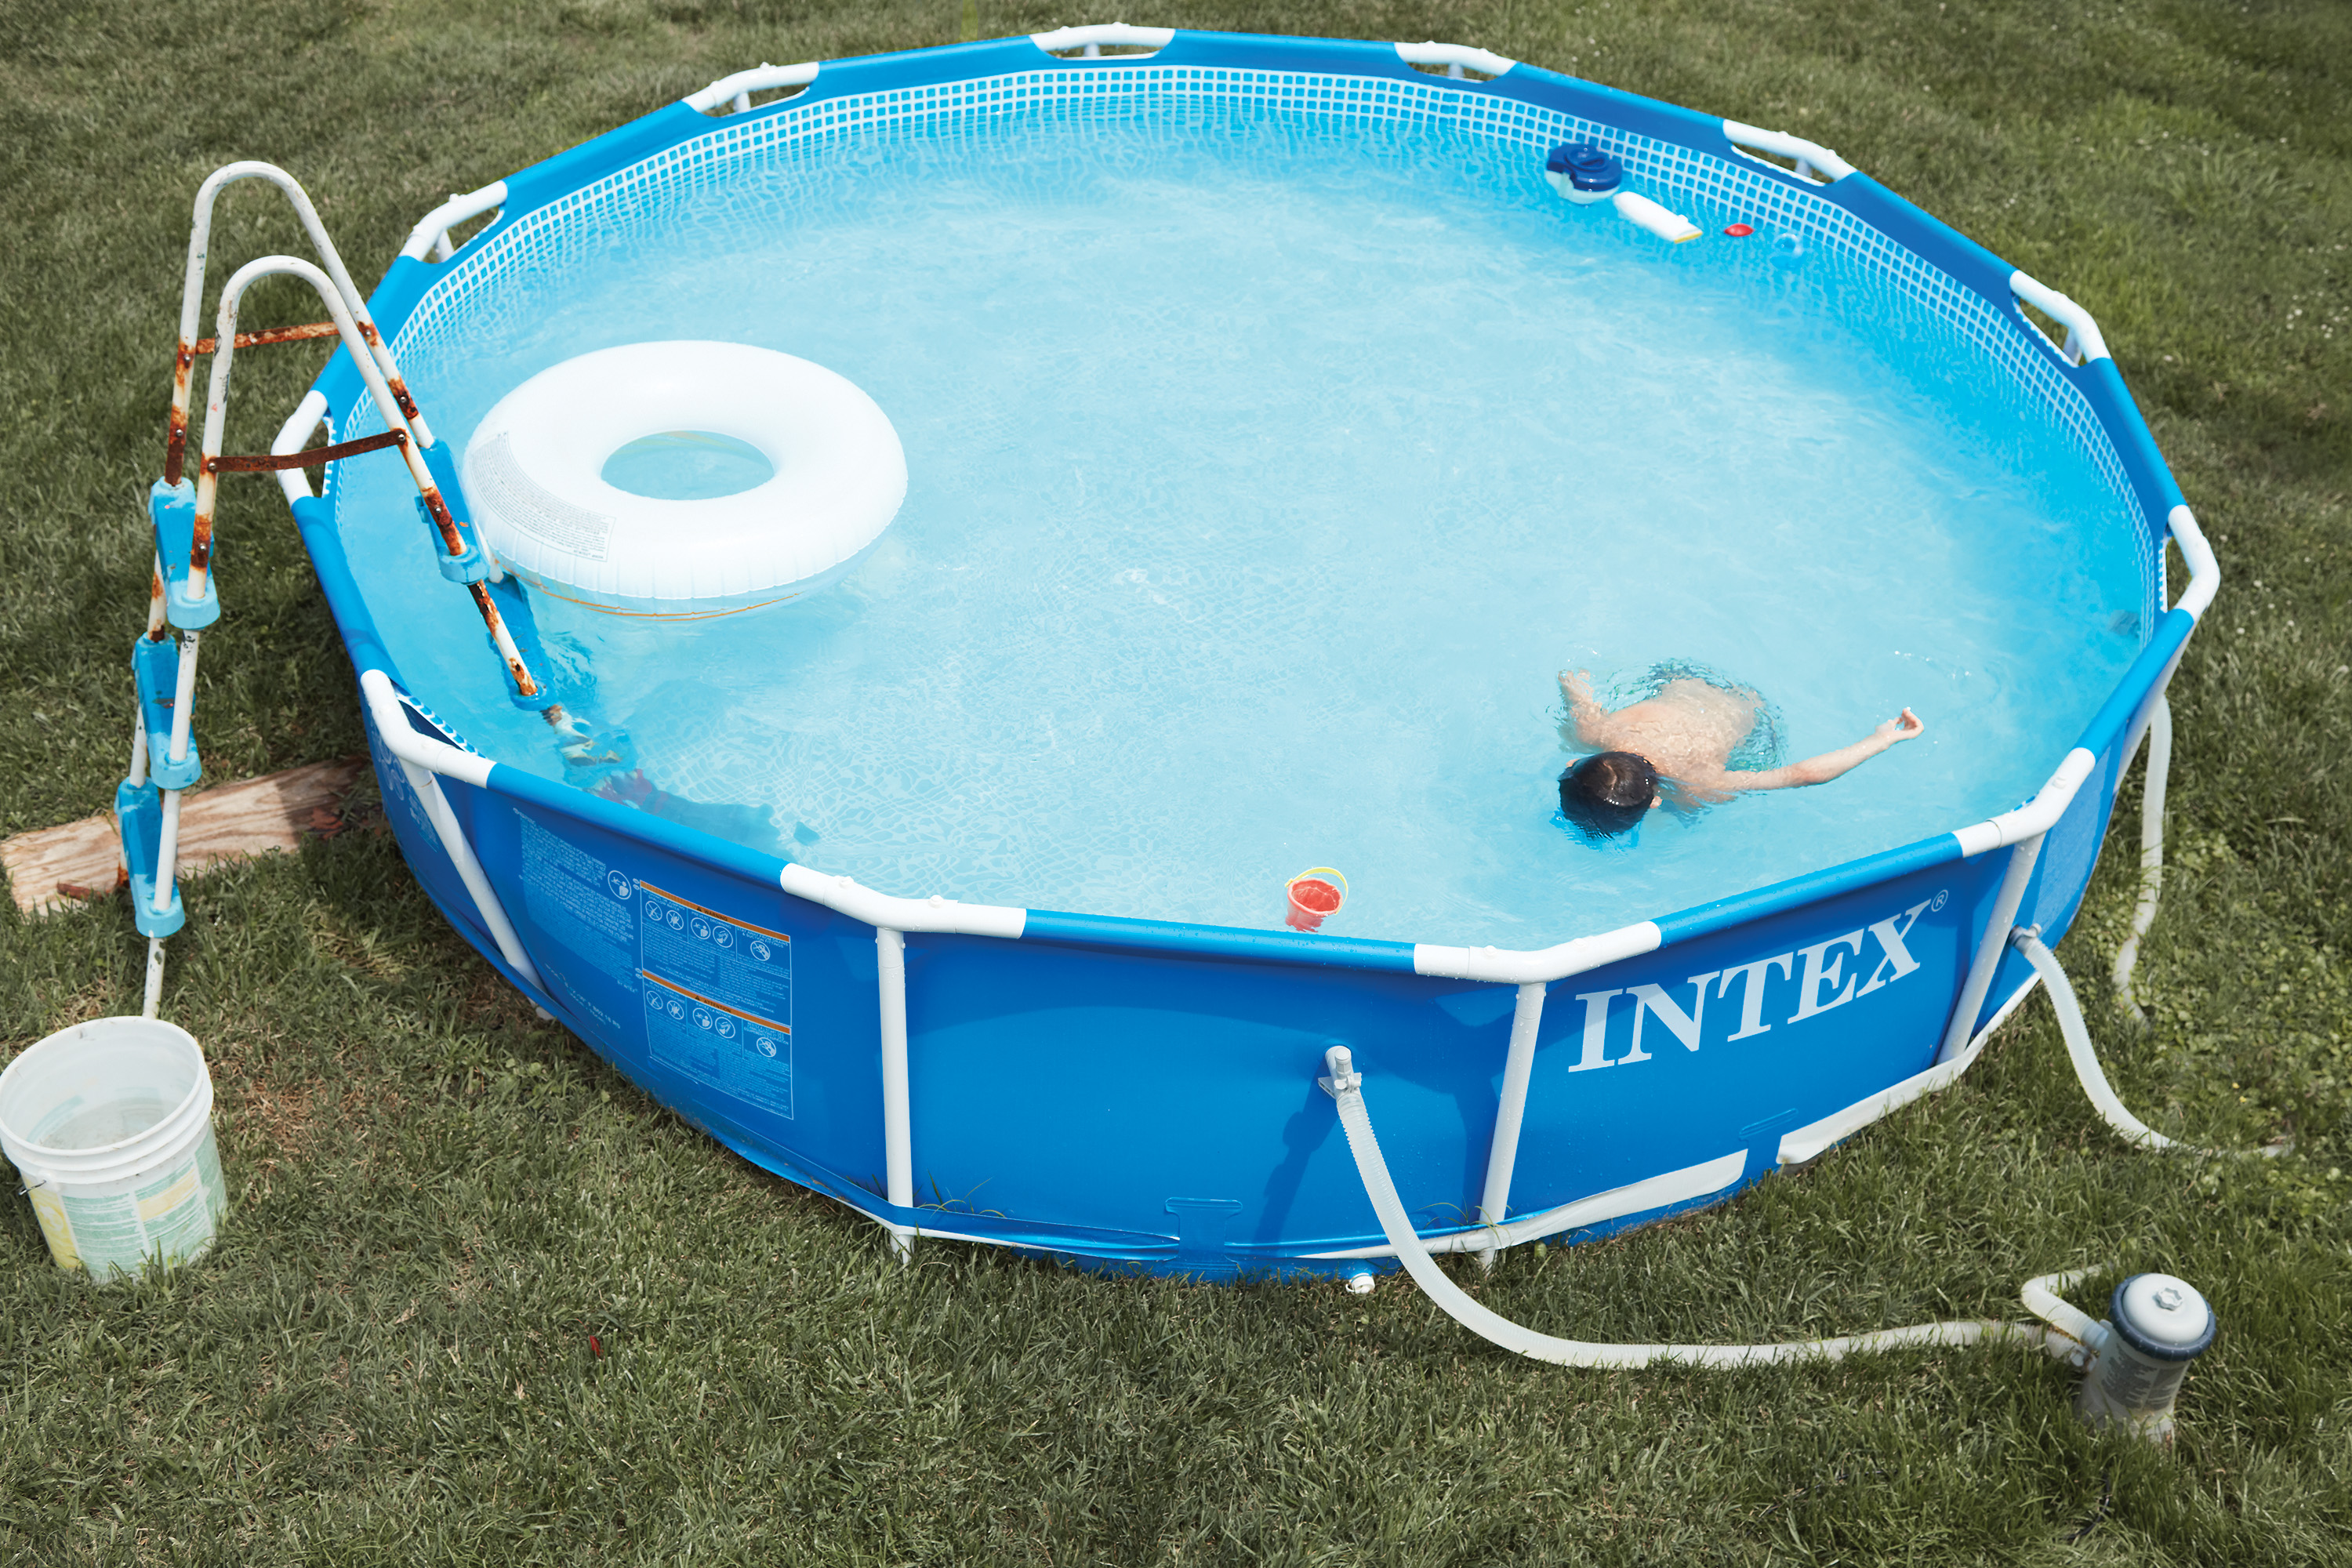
[2020, 831]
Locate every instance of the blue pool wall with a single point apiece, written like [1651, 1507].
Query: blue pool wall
[1141, 1093]
[1068, 1089]
[1068, 1086]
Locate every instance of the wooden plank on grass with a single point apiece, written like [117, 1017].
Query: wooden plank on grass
[51, 867]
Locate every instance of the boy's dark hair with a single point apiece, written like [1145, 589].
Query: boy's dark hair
[1607, 793]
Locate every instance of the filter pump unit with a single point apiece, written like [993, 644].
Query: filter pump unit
[2155, 1326]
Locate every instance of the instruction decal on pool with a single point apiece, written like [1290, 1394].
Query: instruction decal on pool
[719, 998]
[569, 894]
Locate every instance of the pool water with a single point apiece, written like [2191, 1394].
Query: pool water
[1263, 476]
[687, 464]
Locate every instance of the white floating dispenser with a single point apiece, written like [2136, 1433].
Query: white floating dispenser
[1584, 174]
[2155, 1326]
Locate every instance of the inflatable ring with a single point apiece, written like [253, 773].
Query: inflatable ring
[534, 479]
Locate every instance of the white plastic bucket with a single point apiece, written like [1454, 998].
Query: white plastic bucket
[110, 1124]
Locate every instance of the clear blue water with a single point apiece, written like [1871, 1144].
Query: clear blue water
[1262, 479]
[687, 464]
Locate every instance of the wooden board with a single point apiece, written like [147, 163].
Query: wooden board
[50, 867]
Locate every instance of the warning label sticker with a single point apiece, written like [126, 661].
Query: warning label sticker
[574, 897]
[719, 998]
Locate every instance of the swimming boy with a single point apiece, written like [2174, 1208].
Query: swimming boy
[1674, 748]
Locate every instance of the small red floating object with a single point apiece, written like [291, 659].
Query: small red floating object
[1739, 231]
[1314, 893]
[595, 1347]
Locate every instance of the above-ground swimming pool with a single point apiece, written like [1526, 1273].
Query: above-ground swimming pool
[1274, 435]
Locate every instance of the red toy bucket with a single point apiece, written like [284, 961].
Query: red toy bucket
[1314, 893]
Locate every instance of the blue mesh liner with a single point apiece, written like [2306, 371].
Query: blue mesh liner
[1900, 288]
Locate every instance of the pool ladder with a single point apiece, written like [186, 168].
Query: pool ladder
[184, 595]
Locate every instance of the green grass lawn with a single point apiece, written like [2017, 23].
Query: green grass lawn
[439, 1199]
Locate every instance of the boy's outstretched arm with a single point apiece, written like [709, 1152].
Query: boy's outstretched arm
[1590, 718]
[1830, 765]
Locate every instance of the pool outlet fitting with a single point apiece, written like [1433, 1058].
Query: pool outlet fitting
[2157, 1325]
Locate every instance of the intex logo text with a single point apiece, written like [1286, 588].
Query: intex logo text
[1824, 981]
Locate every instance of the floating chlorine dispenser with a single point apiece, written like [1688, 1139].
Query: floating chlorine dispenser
[1584, 173]
[536, 475]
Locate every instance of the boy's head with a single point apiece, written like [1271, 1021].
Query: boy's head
[1607, 793]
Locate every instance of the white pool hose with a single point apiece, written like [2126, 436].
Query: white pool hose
[2069, 1336]
[2086, 1061]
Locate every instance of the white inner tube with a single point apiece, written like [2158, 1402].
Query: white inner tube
[534, 479]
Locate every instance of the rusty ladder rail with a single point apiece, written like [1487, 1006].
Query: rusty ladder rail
[192, 291]
[182, 595]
